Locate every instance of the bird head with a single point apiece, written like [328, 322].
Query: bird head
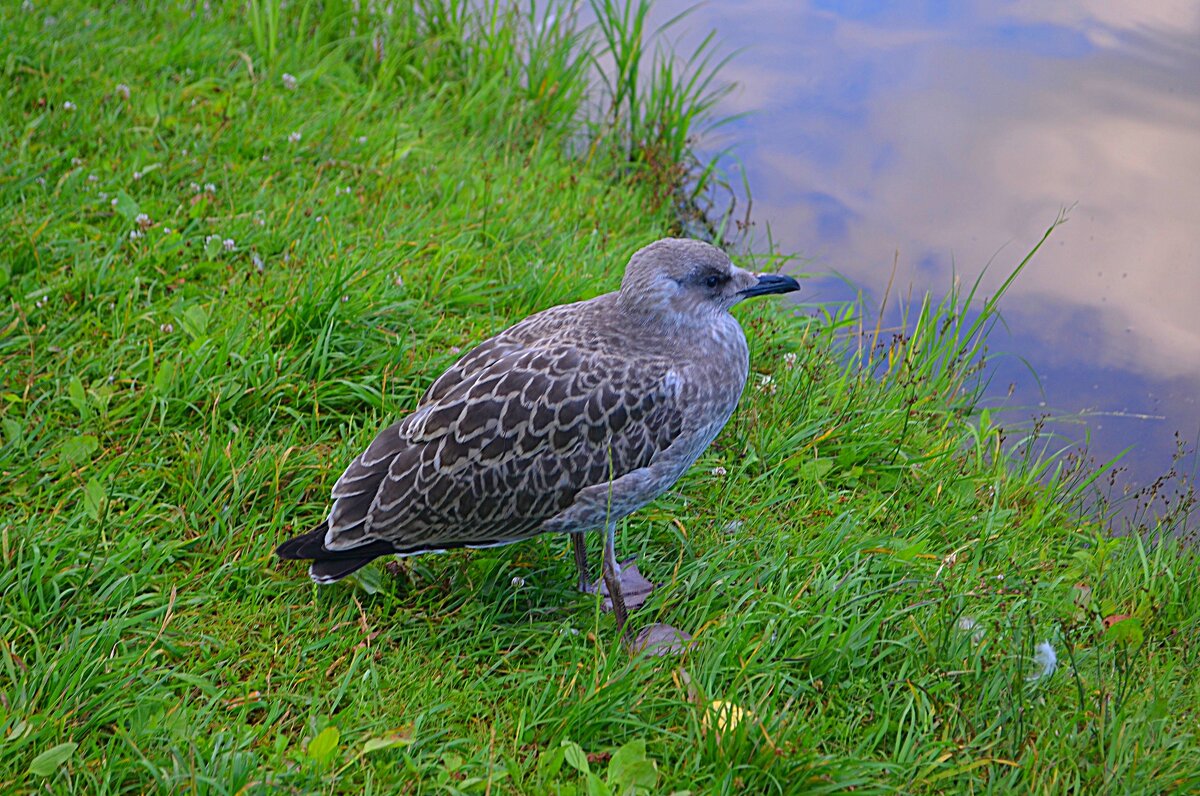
[684, 282]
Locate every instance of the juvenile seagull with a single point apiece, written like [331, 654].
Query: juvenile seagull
[564, 423]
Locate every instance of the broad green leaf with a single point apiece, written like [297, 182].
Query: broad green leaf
[126, 206]
[1126, 631]
[549, 764]
[77, 395]
[164, 378]
[596, 786]
[52, 759]
[93, 498]
[323, 746]
[74, 450]
[622, 759]
[194, 321]
[629, 768]
[385, 742]
[13, 431]
[574, 755]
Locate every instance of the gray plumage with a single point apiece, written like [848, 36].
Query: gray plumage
[564, 422]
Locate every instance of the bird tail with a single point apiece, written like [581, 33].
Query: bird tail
[329, 566]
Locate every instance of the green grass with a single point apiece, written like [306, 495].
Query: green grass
[173, 408]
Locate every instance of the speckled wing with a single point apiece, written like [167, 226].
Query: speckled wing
[501, 442]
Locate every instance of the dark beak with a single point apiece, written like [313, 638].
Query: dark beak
[771, 283]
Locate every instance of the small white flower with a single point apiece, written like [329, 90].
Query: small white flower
[318, 219]
[27, 6]
[289, 81]
[265, 158]
[789, 360]
[68, 106]
[41, 181]
[134, 234]
[76, 161]
[766, 384]
[294, 137]
[345, 299]
[210, 188]
[258, 262]
[362, 139]
[93, 178]
[143, 220]
[228, 244]
[195, 186]
[518, 581]
[113, 202]
[209, 239]
[397, 280]
[123, 91]
[455, 350]
[1046, 661]
[166, 230]
[166, 328]
[719, 471]
[137, 175]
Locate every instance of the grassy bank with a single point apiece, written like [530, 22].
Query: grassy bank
[234, 246]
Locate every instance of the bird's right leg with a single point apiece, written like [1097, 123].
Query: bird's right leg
[579, 543]
[611, 570]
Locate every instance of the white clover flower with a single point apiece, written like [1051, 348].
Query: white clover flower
[789, 360]
[210, 238]
[1046, 661]
[166, 328]
[766, 384]
[134, 234]
[258, 261]
[76, 161]
[362, 139]
[195, 186]
[719, 471]
[228, 244]
[210, 188]
[93, 178]
[455, 349]
[397, 280]
[518, 581]
[123, 91]
[294, 138]
[113, 201]
[143, 220]
[289, 81]
[345, 299]
[41, 181]
[68, 106]
[166, 230]
[137, 175]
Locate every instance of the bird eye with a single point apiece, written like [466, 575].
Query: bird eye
[713, 281]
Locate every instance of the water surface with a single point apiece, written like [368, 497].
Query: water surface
[950, 135]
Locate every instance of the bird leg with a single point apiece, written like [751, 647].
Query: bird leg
[578, 542]
[611, 571]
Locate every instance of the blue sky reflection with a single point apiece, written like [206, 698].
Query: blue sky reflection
[953, 133]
